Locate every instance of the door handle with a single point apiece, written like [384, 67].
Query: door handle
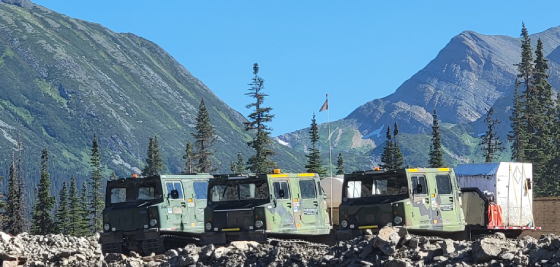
[451, 199]
[183, 204]
[315, 203]
[289, 205]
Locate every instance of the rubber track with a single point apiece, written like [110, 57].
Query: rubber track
[270, 240]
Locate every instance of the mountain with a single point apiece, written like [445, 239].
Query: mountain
[472, 73]
[62, 80]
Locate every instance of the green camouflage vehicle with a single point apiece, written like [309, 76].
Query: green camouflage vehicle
[150, 214]
[254, 207]
[423, 200]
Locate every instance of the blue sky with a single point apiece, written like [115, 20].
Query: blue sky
[356, 51]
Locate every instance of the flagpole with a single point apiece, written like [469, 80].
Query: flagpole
[330, 157]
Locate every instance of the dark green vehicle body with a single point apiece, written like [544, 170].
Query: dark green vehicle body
[423, 200]
[254, 207]
[139, 211]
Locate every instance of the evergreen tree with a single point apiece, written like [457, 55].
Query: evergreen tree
[154, 163]
[20, 220]
[398, 158]
[86, 215]
[76, 220]
[233, 167]
[436, 153]
[96, 195]
[541, 138]
[260, 162]
[314, 162]
[490, 141]
[113, 176]
[62, 224]
[518, 132]
[387, 155]
[12, 199]
[240, 166]
[339, 165]
[189, 156]
[42, 223]
[205, 137]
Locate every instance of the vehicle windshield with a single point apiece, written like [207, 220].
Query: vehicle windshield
[123, 192]
[377, 186]
[239, 190]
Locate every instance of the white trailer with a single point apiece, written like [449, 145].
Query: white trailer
[507, 184]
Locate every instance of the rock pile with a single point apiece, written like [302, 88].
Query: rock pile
[390, 247]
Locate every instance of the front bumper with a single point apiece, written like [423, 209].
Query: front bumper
[120, 236]
[222, 237]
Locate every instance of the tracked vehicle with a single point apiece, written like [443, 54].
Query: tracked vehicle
[254, 207]
[153, 213]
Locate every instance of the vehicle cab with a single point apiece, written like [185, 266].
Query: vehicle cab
[138, 211]
[419, 199]
[253, 207]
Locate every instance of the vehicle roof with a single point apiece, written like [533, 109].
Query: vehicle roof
[263, 176]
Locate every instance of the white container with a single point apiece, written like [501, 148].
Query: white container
[336, 183]
[510, 183]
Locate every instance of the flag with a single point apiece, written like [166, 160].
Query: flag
[325, 106]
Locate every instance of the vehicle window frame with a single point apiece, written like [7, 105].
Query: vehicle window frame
[311, 182]
[424, 185]
[203, 191]
[286, 190]
[448, 178]
[181, 193]
[125, 195]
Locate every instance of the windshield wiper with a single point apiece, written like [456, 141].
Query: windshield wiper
[144, 203]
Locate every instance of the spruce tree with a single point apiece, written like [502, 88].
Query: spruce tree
[154, 163]
[76, 220]
[260, 162]
[20, 220]
[490, 141]
[518, 132]
[96, 194]
[240, 166]
[233, 167]
[62, 223]
[398, 158]
[86, 214]
[339, 165]
[205, 137]
[387, 155]
[436, 153]
[42, 223]
[189, 156]
[314, 162]
[12, 199]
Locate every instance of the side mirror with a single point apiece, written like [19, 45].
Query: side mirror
[419, 188]
[281, 193]
[174, 194]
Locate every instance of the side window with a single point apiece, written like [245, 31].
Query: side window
[174, 190]
[307, 188]
[118, 195]
[200, 190]
[281, 185]
[422, 181]
[354, 189]
[443, 184]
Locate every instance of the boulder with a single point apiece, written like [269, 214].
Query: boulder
[388, 238]
[486, 250]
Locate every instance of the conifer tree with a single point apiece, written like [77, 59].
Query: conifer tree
[240, 166]
[189, 156]
[339, 165]
[518, 132]
[42, 223]
[86, 215]
[205, 137]
[62, 224]
[387, 155]
[96, 195]
[260, 162]
[20, 220]
[233, 167]
[398, 158]
[436, 153]
[314, 162]
[12, 199]
[490, 141]
[113, 176]
[76, 220]
[154, 163]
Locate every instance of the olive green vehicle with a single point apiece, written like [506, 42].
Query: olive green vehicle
[254, 207]
[423, 200]
[152, 213]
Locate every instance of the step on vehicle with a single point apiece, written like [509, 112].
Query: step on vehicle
[254, 207]
[151, 214]
[423, 200]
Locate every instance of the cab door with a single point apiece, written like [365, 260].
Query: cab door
[283, 218]
[176, 201]
[421, 213]
[309, 214]
[449, 213]
[200, 188]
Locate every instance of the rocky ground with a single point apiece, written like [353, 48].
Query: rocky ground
[390, 247]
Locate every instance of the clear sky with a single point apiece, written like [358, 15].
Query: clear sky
[356, 51]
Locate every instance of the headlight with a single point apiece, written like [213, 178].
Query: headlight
[259, 224]
[153, 222]
[344, 223]
[106, 227]
[208, 226]
[398, 220]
